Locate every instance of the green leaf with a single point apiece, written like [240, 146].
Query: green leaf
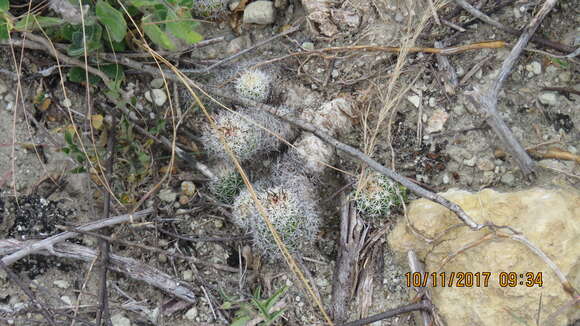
[113, 71]
[242, 321]
[4, 5]
[32, 22]
[155, 33]
[93, 40]
[77, 75]
[182, 27]
[68, 138]
[144, 3]
[4, 30]
[112, 19]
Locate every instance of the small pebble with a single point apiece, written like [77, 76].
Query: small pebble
[120, 320]
[67, 300]
[191, 314]
[167, 195]
[188, 188]
[63, 284]
[187, 275]
[415, 100]
[485, 164]
[157, 83]
[309, 46]
[259, 12]
[534, 67]
[508, 179]
[470, 162]
[548, 98]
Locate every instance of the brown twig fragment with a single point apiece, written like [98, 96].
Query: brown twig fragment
[352, 239]
[424, 305]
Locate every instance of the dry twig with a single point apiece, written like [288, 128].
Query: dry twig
[488, 100]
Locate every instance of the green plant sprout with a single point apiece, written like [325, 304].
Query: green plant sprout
[256, 308]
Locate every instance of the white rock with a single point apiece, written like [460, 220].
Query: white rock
[191, 314]
[470, 162]
[565, 76]
[548, 98]
[157, 83]
[259, 12]
[534, 67]
[159, 96]
[187, 275]
[238, 44]
[437, 120]
[415, 100]
[167, 195]
[233, 5]
[120, 320]
[66, 299]
[308, 46]
[63, 284]
[67, 103]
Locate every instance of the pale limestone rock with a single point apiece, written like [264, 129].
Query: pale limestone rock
[259, 12]
[436, 121]
[550, 219]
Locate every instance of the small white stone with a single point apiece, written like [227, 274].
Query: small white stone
[63, 284]
[167, 195]
[157, 83]
[548, 98]
[470, 162]
[191, 314]
[309, 46]
[66, 299]
[259, 12]
[233, 5]
[148, 97]
[120, 320]
[534, 67]
[565, 76]
[415, 100]
[432, 102]
[187, 275]
[159, 96]
[437, 120]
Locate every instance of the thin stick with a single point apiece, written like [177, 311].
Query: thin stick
[423, 305]
[48, 243]
[483, 17]
[230, 58]
[488, 101]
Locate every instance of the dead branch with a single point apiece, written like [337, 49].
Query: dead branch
[488, 101]
[352, 239]
[391, 313]
[485, 18]
[48, 243]
[128, 266]
[417, 267]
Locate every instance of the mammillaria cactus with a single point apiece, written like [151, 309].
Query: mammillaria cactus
[377, 194]
[291, 207]
[254, 84]
[244, 132]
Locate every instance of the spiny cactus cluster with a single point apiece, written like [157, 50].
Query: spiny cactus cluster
[292, 208]
[244, 132]
[377, 195]
[210, 8]
[254, 84]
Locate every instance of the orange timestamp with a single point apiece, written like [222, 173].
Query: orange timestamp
[470, 279]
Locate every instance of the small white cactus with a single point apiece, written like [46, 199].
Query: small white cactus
[377, 194]
[249, 133]
[254, 84]
[292, 209]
